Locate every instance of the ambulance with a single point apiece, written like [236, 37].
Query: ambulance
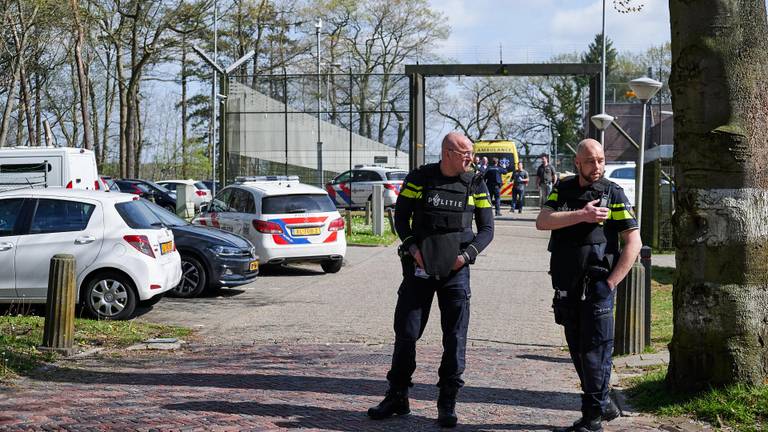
[506, 152]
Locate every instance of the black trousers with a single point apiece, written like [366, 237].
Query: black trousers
[517, 199]
[495, 194]
[589, 327]
[414, 302]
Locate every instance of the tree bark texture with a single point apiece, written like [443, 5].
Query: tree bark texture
[719, 64]
[82, 80]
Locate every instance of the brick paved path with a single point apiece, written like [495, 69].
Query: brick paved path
[305, 350]
[272, 387]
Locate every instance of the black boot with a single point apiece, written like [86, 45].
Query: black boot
[590, 421]
[446, 407]
[395, 402]
[611, 412]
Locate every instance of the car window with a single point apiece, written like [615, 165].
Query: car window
[60, 216]
[623, 173]
[396, 175]
[242, 201]
[9, 213]
[167, 218]
[309, 203]
[201, 185]
[343, 177]
[137, 215]
[219, 204]
[368, 176]
[169, 186]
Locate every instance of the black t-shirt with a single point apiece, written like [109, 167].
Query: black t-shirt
[569, 195]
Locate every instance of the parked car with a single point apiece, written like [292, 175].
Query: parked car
[109, 184]
[286, 221]
[355, 187]
[623, 174]
[123, 255]
[67, 167]
[210, 183]
[210, 258]
[149, 190]
[202, 193]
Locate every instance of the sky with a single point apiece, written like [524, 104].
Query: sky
[532, 31]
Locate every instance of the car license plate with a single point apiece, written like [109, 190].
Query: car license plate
[306, 231]
[253, 266]
[166, 247]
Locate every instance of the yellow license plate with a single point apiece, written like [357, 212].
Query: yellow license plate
[306, 231]
[253, 266]
[166, 247]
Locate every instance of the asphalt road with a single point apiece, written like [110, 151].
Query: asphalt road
[511, 298]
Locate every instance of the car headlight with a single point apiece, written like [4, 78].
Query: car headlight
[226, 251]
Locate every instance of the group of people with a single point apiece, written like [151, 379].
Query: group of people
[587, 215]
[492, 175]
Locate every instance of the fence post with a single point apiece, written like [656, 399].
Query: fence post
[645, 259]
[348, 216]
[629, 332]
[391, 218]
[58, 333]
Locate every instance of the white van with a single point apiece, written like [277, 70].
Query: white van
[71, 168]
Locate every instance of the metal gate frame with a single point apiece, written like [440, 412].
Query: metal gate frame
[418, 73]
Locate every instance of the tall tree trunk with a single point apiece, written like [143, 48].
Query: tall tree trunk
[109, 103]
[97, 147]
[719, 63]
[139, 129]
[6, 122]
[82, 80]
[38, 112]
[25, 98]
[123, 99]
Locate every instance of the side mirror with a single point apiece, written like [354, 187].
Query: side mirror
[203, 208]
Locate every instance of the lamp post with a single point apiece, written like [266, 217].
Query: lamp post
[224, 74]
[318, 27]
[602, 80]
[645, 88]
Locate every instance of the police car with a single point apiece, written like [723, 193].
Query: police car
[623, 174]
[354, 188]
[286, 221]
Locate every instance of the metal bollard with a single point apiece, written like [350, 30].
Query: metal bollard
[629, 333]
[645, 259]
[59, 330]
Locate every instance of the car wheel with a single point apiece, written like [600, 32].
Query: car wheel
[170, 208]
[193, 278]
[110, 296]
[331, 266]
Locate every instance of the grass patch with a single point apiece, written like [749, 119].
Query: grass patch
[739, 407]
[20, 334]
[661, 307]
[362, 233]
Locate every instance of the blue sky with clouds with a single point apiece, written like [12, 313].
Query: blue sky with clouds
[535, 30]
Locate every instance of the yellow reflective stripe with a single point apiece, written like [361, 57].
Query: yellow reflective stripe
[483, 203]
[410, 194]
[617, 206]
[620, 215]
[552, 196]
[413, 186]
[471, 201]
[480, 195]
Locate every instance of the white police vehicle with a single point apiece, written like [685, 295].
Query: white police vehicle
[623, 174]
[354, 188]
[286, 221]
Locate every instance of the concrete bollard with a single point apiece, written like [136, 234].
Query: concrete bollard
[629, 333]
[377, 201]
[645, 260]
[59, 330]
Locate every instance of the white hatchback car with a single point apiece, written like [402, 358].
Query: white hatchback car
[202, 193]
[123, 255]
[623, 174]
[286, 221]
[355, 187]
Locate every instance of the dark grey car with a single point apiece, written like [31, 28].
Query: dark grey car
[210, 258]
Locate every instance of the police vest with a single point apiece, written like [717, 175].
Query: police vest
[445, 214]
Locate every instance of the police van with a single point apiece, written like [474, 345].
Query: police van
[67, 167]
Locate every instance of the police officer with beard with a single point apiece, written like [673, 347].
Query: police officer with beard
[433, 217]
[587, 214]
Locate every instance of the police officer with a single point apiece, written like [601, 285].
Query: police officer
[587, 214]
[433, 217]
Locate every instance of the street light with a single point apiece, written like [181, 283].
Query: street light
[602, 121]
[318, 26]
[602, 80]
[645, 88]
[224, 86]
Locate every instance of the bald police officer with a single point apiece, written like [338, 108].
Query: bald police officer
[587, 214]
[433, 218]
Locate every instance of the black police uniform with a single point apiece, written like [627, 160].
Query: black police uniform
[435, 213]
[583, 256]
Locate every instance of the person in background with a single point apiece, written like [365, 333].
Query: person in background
[519, 182]
[493, 181]
[545, 179]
